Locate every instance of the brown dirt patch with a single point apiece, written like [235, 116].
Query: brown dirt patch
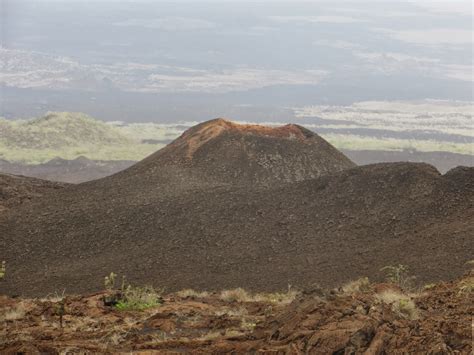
[322, 323]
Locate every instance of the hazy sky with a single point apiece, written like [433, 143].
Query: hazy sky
[80, 55]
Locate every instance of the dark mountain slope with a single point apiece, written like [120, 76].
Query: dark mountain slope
[15, 189]
[327, 230]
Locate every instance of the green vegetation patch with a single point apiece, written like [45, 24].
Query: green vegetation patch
[69, 135]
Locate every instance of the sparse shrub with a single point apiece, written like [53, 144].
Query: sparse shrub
[3, 269]
[109, 281]
[130, 298]
[235, 295]
[359, 285]
[399, 275]
[401, 304]
[138, 298]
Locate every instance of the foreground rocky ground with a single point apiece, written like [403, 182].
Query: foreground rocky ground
[357, 318]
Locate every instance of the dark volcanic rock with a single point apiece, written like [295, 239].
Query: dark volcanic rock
[15, 190]
[182, 218]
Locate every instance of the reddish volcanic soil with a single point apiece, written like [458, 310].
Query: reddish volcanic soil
[354, 321]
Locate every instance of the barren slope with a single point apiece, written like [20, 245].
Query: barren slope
[15, 189]
[228, 206]
[326, 230]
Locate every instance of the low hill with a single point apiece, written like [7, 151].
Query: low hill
[202, 213]
[67, 135]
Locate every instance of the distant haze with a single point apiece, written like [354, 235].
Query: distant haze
[160, 62]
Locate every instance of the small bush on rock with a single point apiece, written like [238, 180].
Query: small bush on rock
[399, 275]
[139, 299]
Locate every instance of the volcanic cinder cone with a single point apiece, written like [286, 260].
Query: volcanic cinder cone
[242, 206]
[220, 151]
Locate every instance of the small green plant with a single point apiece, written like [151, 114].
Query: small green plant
[60, 310]
[138, 298]
[399, 275]
[3, 269]
[128, 297]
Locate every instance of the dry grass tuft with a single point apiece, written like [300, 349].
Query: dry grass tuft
[15, 313]
[235, 295]
[192, 293]
[240, 295]
[211, 336]
[401, 304]
[276, 297]
[467, 286]
[54, 297]
[357, 286]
